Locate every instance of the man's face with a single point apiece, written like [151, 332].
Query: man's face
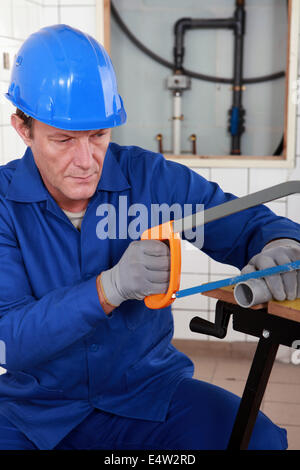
[70, 162]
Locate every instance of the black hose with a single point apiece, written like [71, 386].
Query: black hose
[279, 149]
[170, 65]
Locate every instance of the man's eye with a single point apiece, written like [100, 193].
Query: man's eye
[63, 140]
[98, 135]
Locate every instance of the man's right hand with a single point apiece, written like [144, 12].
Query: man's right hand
[144, 269]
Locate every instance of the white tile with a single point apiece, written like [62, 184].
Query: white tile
[77, 2]
[231, 180]
[205, 172]
[13, 146]
[50, 2]
[293, 201]
[6, 108]
[261, 178]
[49, 16]
[10, 47]
[20, 12]
[279, 208]
[293, 208]
[6, 18]
[83, 18]
[26, 18]
[193, 260]
[197, 301]
[222, 269]
[298, 131]
[182, 320]
[294, 173]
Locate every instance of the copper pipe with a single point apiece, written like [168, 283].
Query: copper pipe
[193, 138]
[160, 146]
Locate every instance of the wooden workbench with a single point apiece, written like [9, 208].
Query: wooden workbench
[286, 309]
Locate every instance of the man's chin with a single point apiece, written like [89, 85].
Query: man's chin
[77, 194]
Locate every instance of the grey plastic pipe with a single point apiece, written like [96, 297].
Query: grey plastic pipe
[251, 292]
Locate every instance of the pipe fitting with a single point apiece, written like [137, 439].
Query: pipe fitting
[252, 292]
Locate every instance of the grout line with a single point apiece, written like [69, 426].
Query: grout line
[13, 38]
[59, 11]
[11, 17]
[266, 400]
[67, 5]
[214, 368]
[293, 425]
[35, 2]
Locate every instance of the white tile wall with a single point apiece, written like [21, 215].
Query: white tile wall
[25, 17]
[19, 18]
[182, 320]
[231, 180]
[81, 17]
[12, 143]
[6, 18]
[49, 15]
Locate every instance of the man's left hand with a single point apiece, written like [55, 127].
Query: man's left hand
[284, 286]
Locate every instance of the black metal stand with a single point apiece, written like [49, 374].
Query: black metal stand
[272, 331]
[253, 394]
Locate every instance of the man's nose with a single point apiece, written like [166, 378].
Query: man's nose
[83, 153]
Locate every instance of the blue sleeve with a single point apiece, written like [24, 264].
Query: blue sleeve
[233, 239]
[28, 325]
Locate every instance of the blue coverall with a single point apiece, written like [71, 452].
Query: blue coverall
[65, 358]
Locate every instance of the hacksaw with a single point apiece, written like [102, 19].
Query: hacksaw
[170, 232]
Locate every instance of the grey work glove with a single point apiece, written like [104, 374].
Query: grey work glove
[144, 269]
[285, 286]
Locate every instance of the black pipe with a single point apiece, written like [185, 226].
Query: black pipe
[237, 24]
[279, 149]
[237, 112]
[188, 23]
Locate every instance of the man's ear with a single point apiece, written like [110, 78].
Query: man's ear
[21, 128]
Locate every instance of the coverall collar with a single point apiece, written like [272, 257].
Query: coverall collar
[27, 185]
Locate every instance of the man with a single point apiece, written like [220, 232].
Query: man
[89, 366]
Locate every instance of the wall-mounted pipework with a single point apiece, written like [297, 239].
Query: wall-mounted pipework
[237, 25]
[238, 82]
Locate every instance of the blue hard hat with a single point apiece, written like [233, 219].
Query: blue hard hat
[65, 78]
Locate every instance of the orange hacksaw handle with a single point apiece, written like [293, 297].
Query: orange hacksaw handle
[164, 232]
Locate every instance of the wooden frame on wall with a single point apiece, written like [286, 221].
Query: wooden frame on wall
[292, 90]
[103, 23]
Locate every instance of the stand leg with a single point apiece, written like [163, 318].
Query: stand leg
[253, 393]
